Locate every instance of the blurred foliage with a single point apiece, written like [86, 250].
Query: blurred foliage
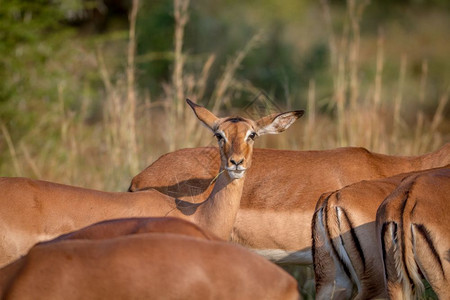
[293, 51]
[30, 32]
[44, 73]
[223, 28]
[155, 31]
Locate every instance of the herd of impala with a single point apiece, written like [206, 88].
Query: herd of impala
[373, 226]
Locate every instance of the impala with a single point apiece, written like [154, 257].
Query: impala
[127, 226]
[168, 259]
[33, 211]
[345, 245]
[413, 227]
[281, 189]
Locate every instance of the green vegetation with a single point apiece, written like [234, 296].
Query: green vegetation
[90, 96]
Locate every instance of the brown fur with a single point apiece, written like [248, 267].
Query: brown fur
[110, 260]
[282, 186]
[414, 231]
[347, 247]
[128, 226]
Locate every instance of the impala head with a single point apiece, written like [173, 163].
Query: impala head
[235, 135]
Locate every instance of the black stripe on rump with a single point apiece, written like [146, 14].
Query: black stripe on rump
[425, 233]
[356, 242]
[333, 247]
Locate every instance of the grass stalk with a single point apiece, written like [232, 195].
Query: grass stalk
[397, 121]
[379, 70]
[439, 113]
[331, 38]
[308, 136]
[181, 18]
[230, 69]
[378, 85]
[111, 113]
[340, 89]
[12, 150]
[30, 161]
[420, 117]
[132, 150]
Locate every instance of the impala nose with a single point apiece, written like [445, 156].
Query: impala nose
[236, 163]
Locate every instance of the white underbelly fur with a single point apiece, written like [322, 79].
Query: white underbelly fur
[301, 257]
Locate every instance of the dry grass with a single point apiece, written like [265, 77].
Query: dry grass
[138, 128]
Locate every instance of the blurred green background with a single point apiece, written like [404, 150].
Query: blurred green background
[87, 98]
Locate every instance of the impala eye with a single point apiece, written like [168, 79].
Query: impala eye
[218, 136]
[252, 135]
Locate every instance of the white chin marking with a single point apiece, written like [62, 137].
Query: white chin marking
[236, 174]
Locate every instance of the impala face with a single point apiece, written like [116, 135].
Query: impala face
[235, 137]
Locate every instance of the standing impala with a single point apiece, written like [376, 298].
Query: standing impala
[413, 227]
[281, 189]
[143, 258]
[33, 211]
[345, 245]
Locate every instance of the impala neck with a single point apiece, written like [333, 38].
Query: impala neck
[218, 212]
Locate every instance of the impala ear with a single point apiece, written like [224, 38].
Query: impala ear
[204, 115]
[278, 122]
